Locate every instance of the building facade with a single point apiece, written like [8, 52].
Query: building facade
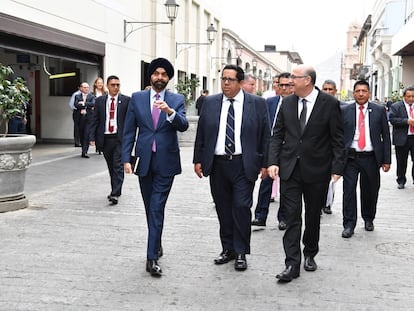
[56, 45]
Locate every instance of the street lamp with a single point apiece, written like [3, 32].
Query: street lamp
[239, 50]
[254, 62]
[211, 36]
[172, 10]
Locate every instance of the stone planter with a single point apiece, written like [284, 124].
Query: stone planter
[15, 157]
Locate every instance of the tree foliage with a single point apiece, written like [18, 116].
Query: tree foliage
[187, 88]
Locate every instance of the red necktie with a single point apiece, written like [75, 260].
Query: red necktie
[155, 117]
[361, 127]
[111, 116]
[412, 117]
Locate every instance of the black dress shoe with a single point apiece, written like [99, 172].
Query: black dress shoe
[347, 233]
[401, 186]
[114, 200]
[240, 263]
[154, 268]
[310, 264]
[327, 209]
[85, 156]
[369, 225]
[225, 257]
[109, 197]
[160, 252]
[282, 225]
[288, 274]
[259, 222]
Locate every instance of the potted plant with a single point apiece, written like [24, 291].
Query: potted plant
[15, 149]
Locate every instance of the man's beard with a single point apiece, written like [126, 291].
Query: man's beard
[159, 85]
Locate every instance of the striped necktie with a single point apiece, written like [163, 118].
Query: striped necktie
[229, 142]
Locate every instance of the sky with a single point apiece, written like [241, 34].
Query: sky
[315, 29]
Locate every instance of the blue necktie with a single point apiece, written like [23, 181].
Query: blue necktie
[229, 142]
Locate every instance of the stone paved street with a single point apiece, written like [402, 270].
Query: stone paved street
[71, 250]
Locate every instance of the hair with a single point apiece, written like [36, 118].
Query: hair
[329, 81]
[249, 76]
[408, 88]
[205, 91]
[284, 75]
[94, 85]
[111, 77]
[361, 82]
[239, 70]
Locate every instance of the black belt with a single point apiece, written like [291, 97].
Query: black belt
[362, 154]
[352, 153]
[111, 135]
[227, 157]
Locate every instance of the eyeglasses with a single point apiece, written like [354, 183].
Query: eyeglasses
[327, 89]
[229, 80]
[114, 84]
[284, 85]
[297, 77]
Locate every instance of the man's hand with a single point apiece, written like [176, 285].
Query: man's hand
[198, 170]
[162, 105]
[273, 171]
[127, 168]
[263, 173]
[335, 177]
[386, 167]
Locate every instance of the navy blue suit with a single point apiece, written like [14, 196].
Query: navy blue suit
[265, 189]
[232, 181]
[156, 170]
[366, 165]
[403, 142]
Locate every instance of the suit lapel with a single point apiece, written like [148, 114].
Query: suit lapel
[248, 112]
[144, 108]
[216, 112]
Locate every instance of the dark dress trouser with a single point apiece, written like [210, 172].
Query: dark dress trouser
[155, 189]
[263, 201]
[401, 154]
[232, 194]
[112, 151]
[314, 196]
[367, 169]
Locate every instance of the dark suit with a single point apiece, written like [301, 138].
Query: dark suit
[84, 120]
[403, 142]
[306, 161]
[366, 165]
[110, 144]
[265, 189]
[156, 170]
[232, 181]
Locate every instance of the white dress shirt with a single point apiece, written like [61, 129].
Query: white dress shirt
[238, 112]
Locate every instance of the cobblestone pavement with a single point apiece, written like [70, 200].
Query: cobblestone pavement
[71, 250]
